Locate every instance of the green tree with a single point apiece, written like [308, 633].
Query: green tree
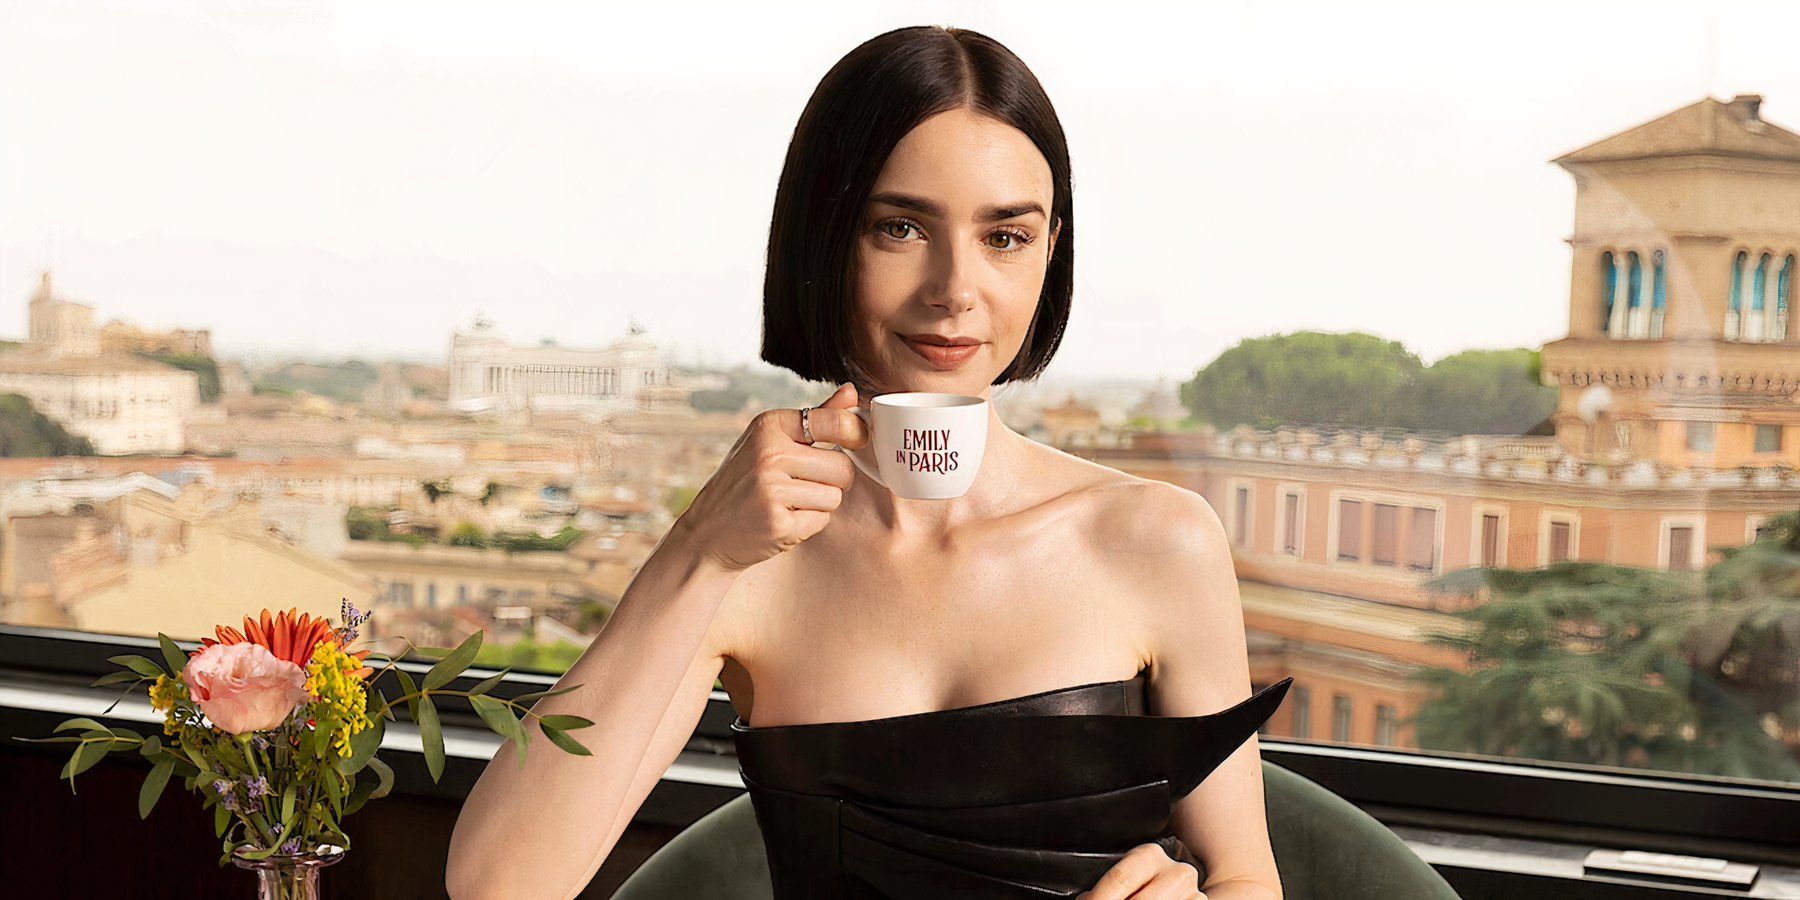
[1484, 392]
[527, 541]
[1594, 663]
[1332, 380]
[26, 432]
[1355, 380]
[466, 534]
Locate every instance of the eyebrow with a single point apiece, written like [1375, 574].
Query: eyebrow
[991, 213]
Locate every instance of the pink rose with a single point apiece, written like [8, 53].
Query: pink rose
[243, 687]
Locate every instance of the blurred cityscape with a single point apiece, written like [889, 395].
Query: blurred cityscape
[151, 486]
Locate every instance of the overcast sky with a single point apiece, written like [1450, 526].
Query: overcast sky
[360, 178]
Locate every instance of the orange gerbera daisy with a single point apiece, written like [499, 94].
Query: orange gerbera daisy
[291, 635]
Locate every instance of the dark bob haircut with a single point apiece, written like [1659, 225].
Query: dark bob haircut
[861, 109]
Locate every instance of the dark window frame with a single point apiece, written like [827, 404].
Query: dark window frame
[1408, 786]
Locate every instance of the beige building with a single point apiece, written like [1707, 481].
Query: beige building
[1676, 433]
[122, 403]
[1680, 348]
[488, 374]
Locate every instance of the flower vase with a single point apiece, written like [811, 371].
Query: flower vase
[290, 876]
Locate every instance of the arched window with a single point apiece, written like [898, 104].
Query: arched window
[1734, 302]
[1782, 286]
[1761, 282]
[1753, 317]
[1659, 293]
[1637, 317]
[1609, 281]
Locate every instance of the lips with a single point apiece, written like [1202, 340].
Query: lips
[942, 356]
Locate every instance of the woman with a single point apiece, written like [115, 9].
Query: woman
[923, 240]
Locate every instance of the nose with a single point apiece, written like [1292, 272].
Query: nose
[957, 286]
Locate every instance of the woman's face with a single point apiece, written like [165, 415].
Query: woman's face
[952, 250]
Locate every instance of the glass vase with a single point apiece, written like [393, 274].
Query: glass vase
[290, 876]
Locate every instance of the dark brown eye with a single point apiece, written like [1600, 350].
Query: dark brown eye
[897, 223]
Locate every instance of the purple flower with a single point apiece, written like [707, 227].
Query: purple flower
[259, 742]
[275, 829]
[227, 798]
[256, 786]
[290, 847]
[353, 618]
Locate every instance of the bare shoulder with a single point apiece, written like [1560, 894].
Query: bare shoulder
[1156, 522]
[1166, 555]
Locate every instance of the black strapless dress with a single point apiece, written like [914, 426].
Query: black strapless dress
[1033, 797]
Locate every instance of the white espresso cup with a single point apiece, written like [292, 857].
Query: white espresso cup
[923, 446]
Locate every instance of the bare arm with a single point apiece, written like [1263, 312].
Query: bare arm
[1201, 665]
[1173, 553]
[542, 831]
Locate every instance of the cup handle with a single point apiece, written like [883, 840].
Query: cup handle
[865, 458]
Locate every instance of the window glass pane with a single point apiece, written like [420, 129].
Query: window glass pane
[1681, 547]
[1421, 541]
[458, 330]
[1560, 548]
[1301, 716]
[1290, 537]
[1340, 717]
[1768, 438]
[1700, 435]
[1387, 534]
[1350, 526]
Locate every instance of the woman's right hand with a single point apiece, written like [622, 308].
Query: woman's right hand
[774, 490]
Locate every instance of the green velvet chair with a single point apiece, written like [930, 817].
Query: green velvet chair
[1324, 846]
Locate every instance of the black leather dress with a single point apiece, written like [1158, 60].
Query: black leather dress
[1033, 797]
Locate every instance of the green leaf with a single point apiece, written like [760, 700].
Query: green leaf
[496, 715]
[263, 853]
[116, 678]
[432, 736]
[564, 741]
[221, 816]
[153, 787]
[384, 778]
[358, 796]
[489, 683]
[408, 690]
[565, 723]
[151, 748]
[453, 665]
[172, 654]
[287, 805]
[538, 695]
[84, 759]
[139, 665]
[381, 703]
[363, 745]
[81, 723]
[334, 791]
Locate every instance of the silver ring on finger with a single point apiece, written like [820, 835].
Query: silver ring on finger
[806, 424]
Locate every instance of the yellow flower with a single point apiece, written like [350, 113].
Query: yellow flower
[163, 694]
[333, 681]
